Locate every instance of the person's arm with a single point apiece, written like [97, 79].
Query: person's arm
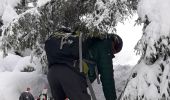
[105, 68]
[20, 97]
[31, 96]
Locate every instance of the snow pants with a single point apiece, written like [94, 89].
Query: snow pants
[65, 82]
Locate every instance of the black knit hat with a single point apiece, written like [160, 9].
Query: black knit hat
[118, 43]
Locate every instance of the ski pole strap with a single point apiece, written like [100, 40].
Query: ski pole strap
[90, 88]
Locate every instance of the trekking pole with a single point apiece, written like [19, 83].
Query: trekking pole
[90, 88]
[81, 67]
[80, 52]
[122, 93]
[97, 75]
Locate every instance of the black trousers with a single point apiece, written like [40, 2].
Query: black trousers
[64, 82]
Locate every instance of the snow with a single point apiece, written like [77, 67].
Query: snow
[13, 83]
[4, 3]
[26, 61]
[30, 4]
[130, 34]
[17, 81]
[145, 81]
[96, 19]
[42, 2]
[158, 14]
[9, 14]
[7, 11]
[9, 62]
[152, 79]
[6, 7]
[121, 74]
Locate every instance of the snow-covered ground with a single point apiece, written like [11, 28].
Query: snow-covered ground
[13, 81]
[121, 74]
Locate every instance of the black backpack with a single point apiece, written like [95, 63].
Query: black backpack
[62, 49]
[26, 96]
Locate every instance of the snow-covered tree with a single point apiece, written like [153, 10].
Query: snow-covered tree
[31, 28]
[150, 79]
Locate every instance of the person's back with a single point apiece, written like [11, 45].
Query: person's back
[64, 80]
[26, 95]
[43, 95]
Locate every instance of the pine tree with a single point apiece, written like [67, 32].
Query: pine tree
[150, 78]
[35, 25]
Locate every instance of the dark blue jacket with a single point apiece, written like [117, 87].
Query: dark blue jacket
[26, 96]
[65, 55]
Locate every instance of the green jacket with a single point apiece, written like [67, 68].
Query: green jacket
[101, 53]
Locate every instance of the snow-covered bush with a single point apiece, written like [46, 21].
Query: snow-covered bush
[150, 79]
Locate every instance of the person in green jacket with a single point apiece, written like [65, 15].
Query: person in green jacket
[101, 52]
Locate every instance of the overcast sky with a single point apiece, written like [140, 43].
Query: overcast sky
[130, 35]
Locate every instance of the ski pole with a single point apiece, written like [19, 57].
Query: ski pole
[80, 52]
[81, 69]
[90, 88]
[122, 93]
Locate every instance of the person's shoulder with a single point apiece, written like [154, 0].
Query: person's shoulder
[26, 93]
[23, 93]
[104, 42]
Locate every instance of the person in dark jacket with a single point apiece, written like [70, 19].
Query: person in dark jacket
[64, 80]
[43, 95]
[26, 95]
[102, 52]
[1, 24]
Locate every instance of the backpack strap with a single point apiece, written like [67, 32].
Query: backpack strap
[64, 37]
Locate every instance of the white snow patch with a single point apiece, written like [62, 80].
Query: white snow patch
[42, 2]
[9, 14]
[26, 61]
[5, 3]
[9, 62]
[14, 83]
[17, 81]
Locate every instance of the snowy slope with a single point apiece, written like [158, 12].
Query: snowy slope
[121, 73]
[17, 81]
[13, 81]
[150, 80]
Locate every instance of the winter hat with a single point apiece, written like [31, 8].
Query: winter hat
[28, 89]
[117, 42]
